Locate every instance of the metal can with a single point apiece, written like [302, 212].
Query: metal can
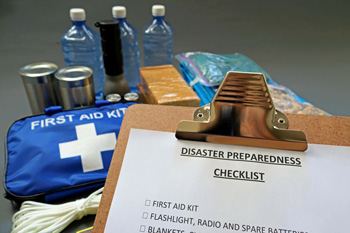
[131, 97]
[113, 98]
[38, 81]
[75, 86]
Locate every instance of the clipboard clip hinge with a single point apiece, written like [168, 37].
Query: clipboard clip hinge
[242, 113]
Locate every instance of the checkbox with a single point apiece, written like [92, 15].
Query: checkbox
[145, 215]
[147, 202]
[142, 228]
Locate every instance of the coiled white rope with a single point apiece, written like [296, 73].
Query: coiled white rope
[48, 218]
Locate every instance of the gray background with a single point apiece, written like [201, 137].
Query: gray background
[303, 45]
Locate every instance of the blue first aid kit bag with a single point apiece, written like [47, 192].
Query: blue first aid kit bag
[55, 155]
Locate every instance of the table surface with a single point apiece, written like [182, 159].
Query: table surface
[303, 45]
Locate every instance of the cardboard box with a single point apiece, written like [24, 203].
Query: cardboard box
[164, 85]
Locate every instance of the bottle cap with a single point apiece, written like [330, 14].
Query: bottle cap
[77, 14]
[119, 12]
[158, 10]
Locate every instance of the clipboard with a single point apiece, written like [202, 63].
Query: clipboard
[329, 130]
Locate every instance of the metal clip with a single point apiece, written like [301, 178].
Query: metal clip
[242, 113]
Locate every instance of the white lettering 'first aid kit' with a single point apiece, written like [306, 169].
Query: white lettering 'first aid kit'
[62, 153]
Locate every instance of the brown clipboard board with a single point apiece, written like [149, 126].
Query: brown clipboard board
[329, 130]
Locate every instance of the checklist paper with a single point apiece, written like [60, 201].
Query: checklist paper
[178, 186]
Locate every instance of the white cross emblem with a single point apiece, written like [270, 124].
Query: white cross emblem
[89, 146]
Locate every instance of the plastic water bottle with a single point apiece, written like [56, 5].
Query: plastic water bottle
[82, 47]
[130, 48]
[158, 39]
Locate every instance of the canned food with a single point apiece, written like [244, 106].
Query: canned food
[38, 81]
[76, 87]
[113, 98]
[131, 97]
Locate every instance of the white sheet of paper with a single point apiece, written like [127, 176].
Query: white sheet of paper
[163, 187]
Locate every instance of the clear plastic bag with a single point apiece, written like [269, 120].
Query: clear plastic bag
[288, 102]
[211, 68]
[205, 71]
